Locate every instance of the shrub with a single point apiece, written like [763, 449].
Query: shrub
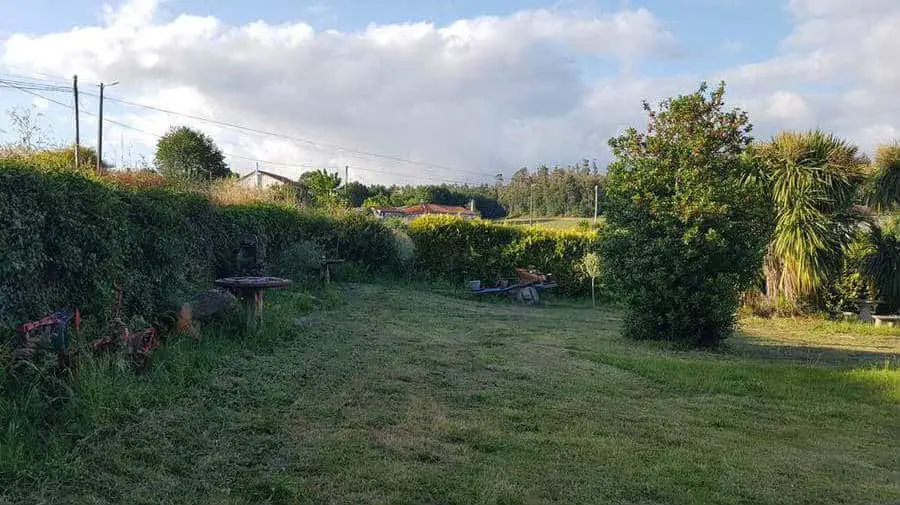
[75, 240]
[590, 267]
[849, 285]
[301, 261]
[142, 179]
[55, 160]
[189, 154]
[686, 231]
[455, 249]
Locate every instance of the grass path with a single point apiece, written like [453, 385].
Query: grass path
[409, 397]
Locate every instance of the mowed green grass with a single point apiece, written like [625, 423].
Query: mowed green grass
[556, 223]
[408, 397]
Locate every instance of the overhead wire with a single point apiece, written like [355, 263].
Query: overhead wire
[356, 153]
[303, 140]
[6, 83]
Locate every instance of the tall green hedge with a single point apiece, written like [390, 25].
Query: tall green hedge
[68, 240]
[459, 250]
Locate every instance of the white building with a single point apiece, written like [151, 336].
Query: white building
[262, 179]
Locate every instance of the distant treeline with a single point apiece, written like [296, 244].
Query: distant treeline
[558, 191]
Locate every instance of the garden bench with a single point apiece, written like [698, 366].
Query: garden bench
[886, 320]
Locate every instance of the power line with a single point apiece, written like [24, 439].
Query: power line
[42, 78]
[30, 92]
[247, 158]
[315, 143]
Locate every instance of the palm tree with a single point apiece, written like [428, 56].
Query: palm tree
[884, 187]
[815, 180]
[881, 265]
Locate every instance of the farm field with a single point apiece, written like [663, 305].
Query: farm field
[394, 395]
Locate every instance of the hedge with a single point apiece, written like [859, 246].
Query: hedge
[458, 250]
[71, 240]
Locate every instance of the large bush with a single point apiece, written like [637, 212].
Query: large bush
[687, 232]
[456, 249]
[71, 240]
[189, 154]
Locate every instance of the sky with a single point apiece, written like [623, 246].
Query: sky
[423, 92]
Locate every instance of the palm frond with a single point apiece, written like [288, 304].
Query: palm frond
[882, 265]
[883, 192]
[814, 179]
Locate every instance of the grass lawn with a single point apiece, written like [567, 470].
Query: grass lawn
[556, 223]
[402, 396]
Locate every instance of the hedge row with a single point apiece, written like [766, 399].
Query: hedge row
[69, 240]
[459, 250]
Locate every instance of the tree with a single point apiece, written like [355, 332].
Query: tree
[881, 266]
[814, 181]
[322, 184]
[590, 266]
[190, 154]
[355, 193]
[687, 226]
[29, 133]
[884, 185]
[378, 200]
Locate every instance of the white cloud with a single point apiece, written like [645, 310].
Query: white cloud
[482, 94]
[839, 70]
[787, 105]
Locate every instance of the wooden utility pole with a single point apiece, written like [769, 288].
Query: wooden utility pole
[596, 200]
[100, 133]
[77, 126]
[346, 175]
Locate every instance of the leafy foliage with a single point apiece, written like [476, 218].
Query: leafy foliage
[814, 180]
[75, 240]
[557, 191]
[54, 160]
[687, 229]
[849, 285]
[591, 267]
[884, 185]
[456, 249]
[881, 265]
[190, 154]
[322, 186]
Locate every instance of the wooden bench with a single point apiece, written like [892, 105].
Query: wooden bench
[886, 320]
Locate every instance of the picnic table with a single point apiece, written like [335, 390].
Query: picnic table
[250, 291]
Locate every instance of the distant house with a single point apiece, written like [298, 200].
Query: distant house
[263, 179]
[414, 211]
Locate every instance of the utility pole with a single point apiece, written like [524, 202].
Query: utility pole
[596, 199]
[77, 126]
[100, 127]
[100, 133]
[346, 175]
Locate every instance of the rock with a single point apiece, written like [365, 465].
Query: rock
[211, 303]
[203, 306]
